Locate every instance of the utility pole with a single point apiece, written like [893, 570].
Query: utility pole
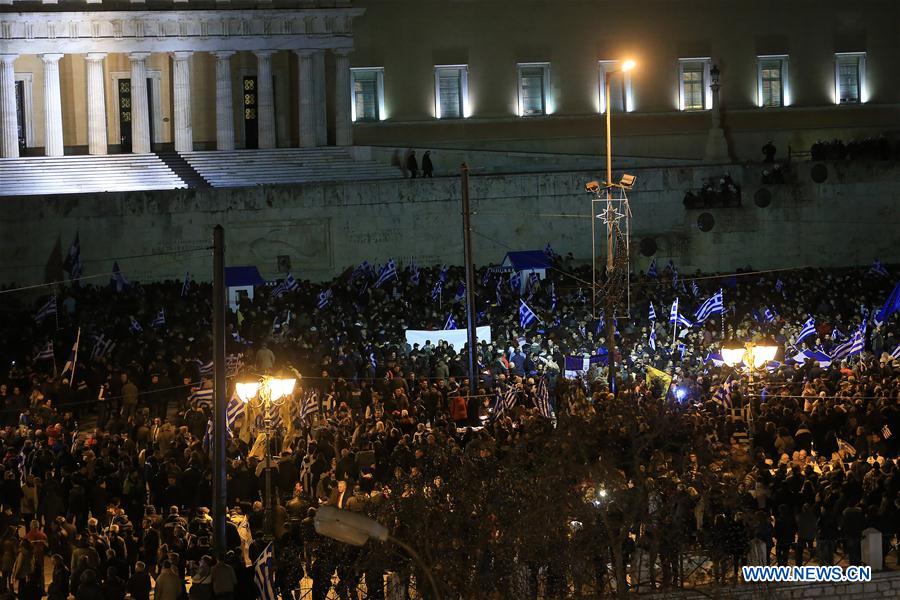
[219, 383]
[609, 313]
[470, 280]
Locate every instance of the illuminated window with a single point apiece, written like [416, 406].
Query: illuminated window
[694, 83]
[849, 77]
[619, 87]
[534, 86]
[368, 93]
[451, 91]
[772, 81]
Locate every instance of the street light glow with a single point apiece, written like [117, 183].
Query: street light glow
[628, 65]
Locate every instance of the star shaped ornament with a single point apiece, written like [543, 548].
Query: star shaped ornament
[610, 215]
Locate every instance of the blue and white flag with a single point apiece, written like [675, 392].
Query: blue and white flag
[361, 272]
[548, 251]
[436, 290]
[651, 270]
[533, 280]
[809, 328]
[681, 348]
[72, 264]
[135, 327]
[442, 275]
[714, 305]
[288, 285]
[858, 342]
[670, 266]
[852, 346]
[46, 352]
[388, 272]
[506, 401]
[202, 397]
[49, 308]
[499, 294]
[117, 278]
[310, 403]
[652, 340]
[779, 286]
[160, 319]
[878, 269]
[450, 323]
[552, 297]
[526, 315]
[207, 369]
[234, 410]
[324, 299]
[891, 305]
[896, 353]
[515, 282]
[673, 313]
[414, 278]
[186, 284]
[695, 289]
[542, 399]
[715, 358]
[102, 346]
[652, 315]
[836, 335]
[769, 315]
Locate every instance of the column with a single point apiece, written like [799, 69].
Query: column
[96, 100]
[307, 95]
[321, 102]
[53, 131]
[343, 131]
[224, 110]
[265, 100]
[140, 109]
[182, 118]
[9, 125]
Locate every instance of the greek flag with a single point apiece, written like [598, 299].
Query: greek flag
[262, 574]
[670, 266]
[858, 342]
[505, 401]
[548, 251]
[49, 308]
[202, 397]
[72, 264]
[891, 305]
[651, 270]
[324, 299]
[896, 352]
[451, 322]
[117, 278]
[768, 315]
[715, 358]
[713, 305]
[854, 345]
[233, 364]
[681, 349]
[135, 327]
[515, 282]
[878, 269]
[674, 280]
[695, 289]
[526, 315]
[436, 290]
[809, 328]
[652, 340]
[499, 295]
[388, 272]
[442, 276]
[362, 270]
[673, 313]
[288, 285]
[414, 279]
[310, 404]
[207, 369]
[836, 334]
[234, 410]
[533, 280]
[46, 352]
[542, 399]
[373, 362]
[186, 285]
[102, 346]
[160, 319]
[552, 297]
[652, 315]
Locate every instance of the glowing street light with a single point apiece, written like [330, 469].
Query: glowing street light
[754, 356]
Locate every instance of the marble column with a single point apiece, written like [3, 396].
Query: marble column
[140, 109]
[307, 95]
[321, 102]
[265, 100]
[9, 125]
[53, 130]
[224, 110]
[181, 92]
[96, 103]
[343, 131]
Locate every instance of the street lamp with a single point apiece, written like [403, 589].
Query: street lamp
[626, 66]
[266, 393]
[355, 529]
[754, 356]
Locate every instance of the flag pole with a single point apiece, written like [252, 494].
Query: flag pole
[75, 358]
[219, 495]
[470, 280]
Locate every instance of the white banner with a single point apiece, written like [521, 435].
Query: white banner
[456, 337]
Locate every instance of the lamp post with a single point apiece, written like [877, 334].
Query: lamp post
[754, 356]
[266, 393]
[610, 265]
[355, 529]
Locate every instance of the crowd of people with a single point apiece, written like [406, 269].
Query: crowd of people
[870, 148]
[107, 479]
[716, 192]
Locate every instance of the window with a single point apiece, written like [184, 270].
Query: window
[772, 81]
[619, 87]
[368, 94]
[534, 88]
[451, 91]
[694, 84]
[849, 77]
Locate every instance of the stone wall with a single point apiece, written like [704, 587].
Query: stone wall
[883, 586]
[849, 219]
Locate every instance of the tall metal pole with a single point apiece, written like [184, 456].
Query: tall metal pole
[610, 265]
[219, 383]
[470, 280]
[269, 514]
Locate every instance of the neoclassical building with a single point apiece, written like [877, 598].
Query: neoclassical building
[113, 76]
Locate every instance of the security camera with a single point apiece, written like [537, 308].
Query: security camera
[592, 187]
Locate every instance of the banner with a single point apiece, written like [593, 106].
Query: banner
[455, 337]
